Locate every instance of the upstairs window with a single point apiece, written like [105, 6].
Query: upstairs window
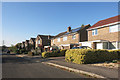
[53, 41]
[58, 39]
[65, 38]
[94, 32]
[114, 28]
[74, 36]
[38, 41]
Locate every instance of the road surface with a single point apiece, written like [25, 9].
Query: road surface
[19, 67]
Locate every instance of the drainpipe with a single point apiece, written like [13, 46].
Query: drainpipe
[116, 45]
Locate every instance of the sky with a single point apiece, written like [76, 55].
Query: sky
[23, 20]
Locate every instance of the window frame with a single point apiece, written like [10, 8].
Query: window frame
[58, 39]
[94, 32]
[53, 40]
[74, 36]
[115, 29]
[38, 41]
[65, 38]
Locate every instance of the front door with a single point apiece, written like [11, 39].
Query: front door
[99, 45]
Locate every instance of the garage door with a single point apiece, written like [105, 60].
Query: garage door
[99, 46]
[86, 44]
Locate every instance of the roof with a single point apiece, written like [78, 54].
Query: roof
[72, 31]
[27, 41]
[33, 39]
[45, 36]
[106, 21]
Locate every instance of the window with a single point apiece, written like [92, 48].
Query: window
[118, 45]
[105, 45]
[114, 28]
[112, 45]
[53, 41]
[74, 36]
[58, 39]
[65, 38]
[94, 32]
[38, 41]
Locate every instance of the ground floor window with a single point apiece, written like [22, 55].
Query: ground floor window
[105, 45]
[118, 45]
[112, 45]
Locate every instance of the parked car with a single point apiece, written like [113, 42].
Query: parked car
[75, 48]
[82, 47]
[8, 51]
[54, 48]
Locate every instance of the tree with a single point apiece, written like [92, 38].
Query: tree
[4, 48]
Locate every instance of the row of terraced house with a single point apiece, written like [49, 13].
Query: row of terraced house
[104, 34]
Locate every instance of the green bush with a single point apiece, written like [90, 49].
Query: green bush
[22, 51]
[30, 53]
[54, 53]
[84, 56]
[26, 52]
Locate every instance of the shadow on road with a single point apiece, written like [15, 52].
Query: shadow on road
[14, 59]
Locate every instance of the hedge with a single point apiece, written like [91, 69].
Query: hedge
[85, 56]
[30, 53]
[54, 53]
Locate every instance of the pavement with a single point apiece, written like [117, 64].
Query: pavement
[60, 62]
[102, 71]
[28, 67]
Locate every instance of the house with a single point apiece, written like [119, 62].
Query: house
[32, 43]
[42, 41]
[23, 45]
[27, 44]
[71, 37]
[105, 34]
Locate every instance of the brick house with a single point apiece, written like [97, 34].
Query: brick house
[105, 34]
[27, 44]
[32, 43]
[43, 40]
[70, 37]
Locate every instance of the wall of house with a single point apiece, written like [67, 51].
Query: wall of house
[68, 41]
[36, 42]
[104, 34]
[43, 42]
[84, 34]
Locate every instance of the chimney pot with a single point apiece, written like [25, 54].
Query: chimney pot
[69, 29]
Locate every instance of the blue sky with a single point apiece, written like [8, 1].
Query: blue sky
[22, 20]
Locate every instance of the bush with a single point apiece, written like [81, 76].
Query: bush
[54, 53]
[22, 51]
[84, 56]
[26, 52]
[30, 53]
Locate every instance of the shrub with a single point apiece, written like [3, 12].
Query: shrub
[85, 56]
[30, 53]
[45, 54]
[35, 52]
[26, 52]
[54, 53]
[22, 51]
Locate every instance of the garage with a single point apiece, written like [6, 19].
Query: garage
[86, 44]
[99, 45]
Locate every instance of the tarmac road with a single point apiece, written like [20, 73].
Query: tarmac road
[19, 67]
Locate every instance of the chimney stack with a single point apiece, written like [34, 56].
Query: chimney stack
[69, 29]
